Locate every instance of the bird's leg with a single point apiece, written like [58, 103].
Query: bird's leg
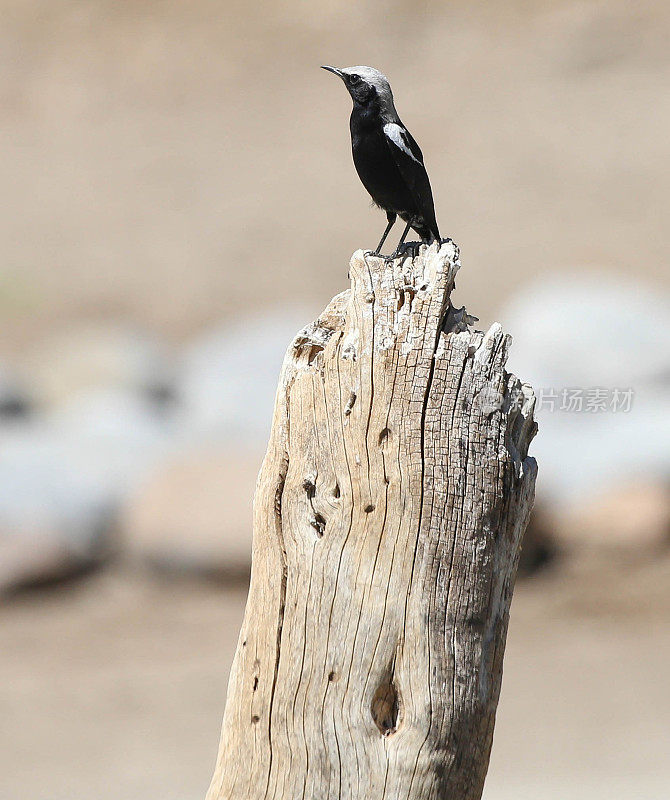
[402, 239]
[391, 217]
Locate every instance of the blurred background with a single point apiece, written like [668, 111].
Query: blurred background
[178, 199]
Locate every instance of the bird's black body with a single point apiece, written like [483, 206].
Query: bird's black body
[395, 181]
[388, 160]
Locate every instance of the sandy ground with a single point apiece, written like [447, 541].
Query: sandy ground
[175, 163]
[115, 688]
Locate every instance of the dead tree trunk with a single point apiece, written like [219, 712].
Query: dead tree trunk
[388, 518]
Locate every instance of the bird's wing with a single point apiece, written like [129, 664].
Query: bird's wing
[402, 140]
[409, 160]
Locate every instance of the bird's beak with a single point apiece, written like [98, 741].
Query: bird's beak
[334, 70]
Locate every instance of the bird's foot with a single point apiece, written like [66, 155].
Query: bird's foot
[410, 249]
[378, 254]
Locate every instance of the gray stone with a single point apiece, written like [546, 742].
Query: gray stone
[64, 478]
[92, 358]
[228, 377]
[15, 401]
[575, 332]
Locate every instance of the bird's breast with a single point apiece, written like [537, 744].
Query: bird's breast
[377, 169]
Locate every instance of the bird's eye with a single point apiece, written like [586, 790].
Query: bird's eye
[354, 79]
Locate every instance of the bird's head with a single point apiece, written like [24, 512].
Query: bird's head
[367, 85]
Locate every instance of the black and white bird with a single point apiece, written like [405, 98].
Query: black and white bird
[388, 160]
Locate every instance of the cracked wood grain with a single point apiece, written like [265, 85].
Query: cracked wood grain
[388, 519]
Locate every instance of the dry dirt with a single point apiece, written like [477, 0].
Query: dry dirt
[172, 163]
[114, 689]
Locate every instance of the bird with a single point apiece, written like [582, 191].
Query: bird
[388, 160]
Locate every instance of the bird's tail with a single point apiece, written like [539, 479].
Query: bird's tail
[428, 234]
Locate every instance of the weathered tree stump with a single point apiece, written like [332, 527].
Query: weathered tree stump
[388, 519]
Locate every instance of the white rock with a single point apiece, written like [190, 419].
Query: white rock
[588, 330]
[92, 358]
[118, 434]
[584, 332]
[47, 484]
[228, 377]
[64, 478]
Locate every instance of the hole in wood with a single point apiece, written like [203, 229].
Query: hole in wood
[313, 352]
[350, 404]
[255, 683]
[369, 509]
[309, 488]
[333, 677]
[384, 434]
[386, 707]
[404, 293]
[279, 491]
[336, 490]
[319, 525]
[255, 719]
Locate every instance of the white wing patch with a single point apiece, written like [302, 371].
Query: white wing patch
[396, 134]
